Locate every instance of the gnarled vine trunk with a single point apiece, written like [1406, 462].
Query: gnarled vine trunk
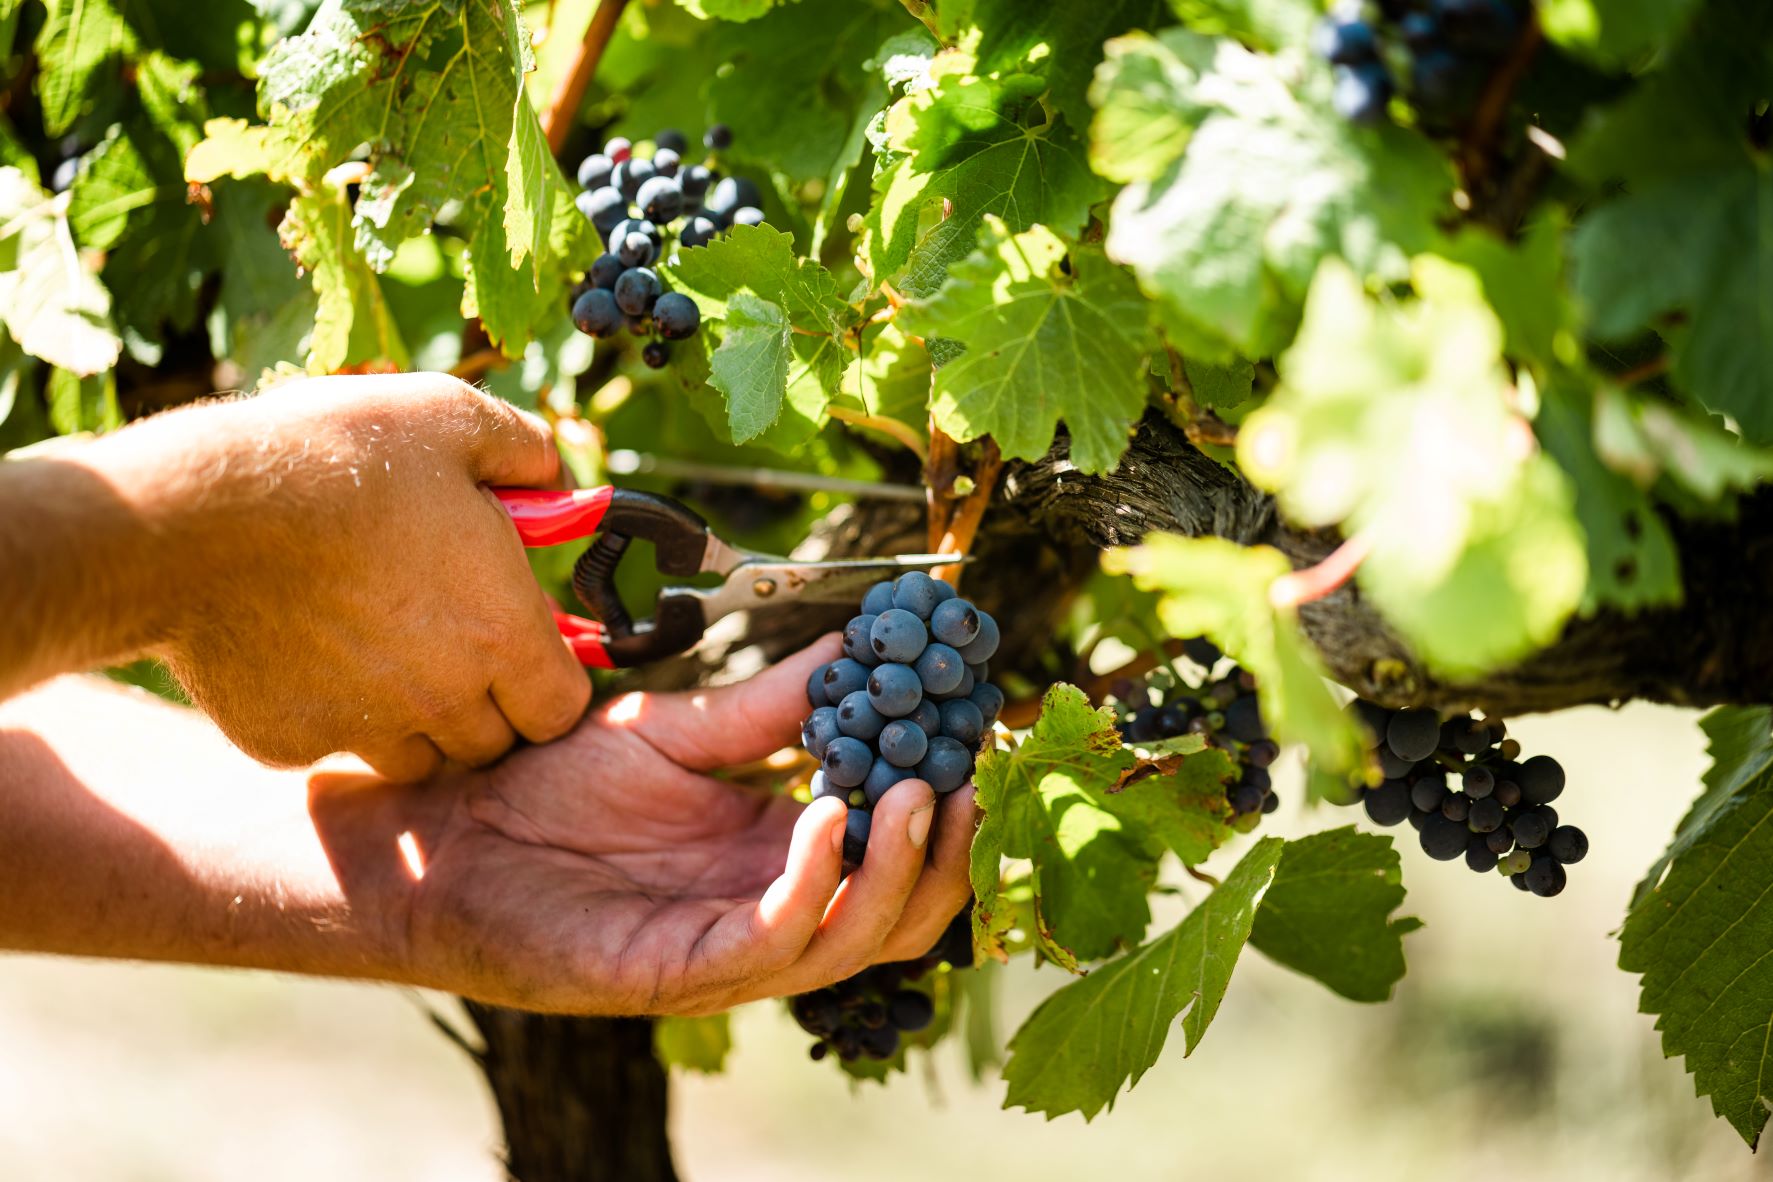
[584, 1100]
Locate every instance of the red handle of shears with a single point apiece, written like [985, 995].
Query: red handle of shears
[546, 517]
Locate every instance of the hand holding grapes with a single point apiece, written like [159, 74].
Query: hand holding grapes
[611, 872]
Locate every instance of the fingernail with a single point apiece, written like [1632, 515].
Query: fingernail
[837, 836]
[918, 828]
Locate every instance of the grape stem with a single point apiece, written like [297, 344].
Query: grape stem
[1315, 582]
[925, 12]
[963, 524]
[1201, 876]
[476, 364]
[1493, 103]
[901, 432]
[1655, 367]
[563, 104]
[1198, 426]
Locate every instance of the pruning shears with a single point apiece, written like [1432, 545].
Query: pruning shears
[683, 545]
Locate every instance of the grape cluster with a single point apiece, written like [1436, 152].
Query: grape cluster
[1497, 817]
[865, 1014]
[1224, 709]
[633, 201]
[1444, 51]
[907, 699]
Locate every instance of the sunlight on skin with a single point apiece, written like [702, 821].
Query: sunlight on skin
[410, 853]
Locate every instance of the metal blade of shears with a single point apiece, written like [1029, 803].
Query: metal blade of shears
[765, 582]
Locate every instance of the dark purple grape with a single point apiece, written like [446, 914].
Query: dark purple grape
[660, 199]
[718, 138]
[946, 765]
[594, 171]
[894, 689]
[1567, 844]
[636, 290]
[1443, 840]
[1542, 780]
[902, 743]
[677, 316]
[855, 835]
[897, 635]
[941, 670]
[1360, 95]
[596, 314]
[847, 761]
[818, 730]
[856, 645]
[857, 717]
[1545, 877]
[1388, 804]
[910, 1011]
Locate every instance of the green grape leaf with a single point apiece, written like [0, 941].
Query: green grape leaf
[1148, 103]
[1050, 334]
[1613, 32]
[1219, 589]
[817, 48]
[1184, 808]
[1269, 24]
[961, 148]
[1632, 561]
[352, 322]
[1741, 749]
[86, 403]
[1393, 420]
[1688, 233]
[78, 39]
[751, 365]
[890, 379]
[1062, 42]
[1699, 938]
[434, 87]
[112, 183]
[1085, 1041]
[780, 323]
[698, 1044]
[1525, 283]
[50, 303]
[1647, 438]
[1328, 913]
[1220, 387]
[729, 10]
[264, 313]
[1268, 183]
[1045, 801]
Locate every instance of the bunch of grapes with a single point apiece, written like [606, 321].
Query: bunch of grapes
[1497, 817]
[866, 1014]
[1444, 51]
[1223, 709]
[907, 699]
[633, 202]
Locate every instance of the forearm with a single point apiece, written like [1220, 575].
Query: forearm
[133, 830]
[77, 585]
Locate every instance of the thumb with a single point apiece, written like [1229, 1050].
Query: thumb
[713, 728]
[512, 447]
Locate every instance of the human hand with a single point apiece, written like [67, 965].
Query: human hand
[610, 873]
[341, 577]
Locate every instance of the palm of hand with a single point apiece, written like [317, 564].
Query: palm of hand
[607, 872]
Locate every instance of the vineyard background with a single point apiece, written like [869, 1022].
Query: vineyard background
[149, 1073]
